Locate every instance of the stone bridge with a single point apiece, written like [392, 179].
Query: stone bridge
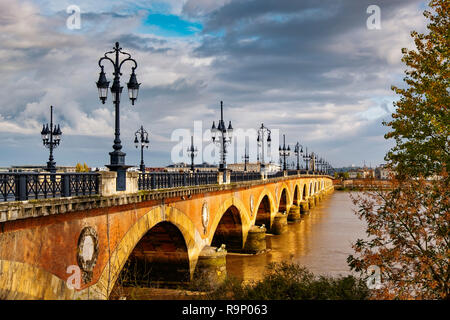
[173, 234]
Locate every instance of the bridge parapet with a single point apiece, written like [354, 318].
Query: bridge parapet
[109, 197]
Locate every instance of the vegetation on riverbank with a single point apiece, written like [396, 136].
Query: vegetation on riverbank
[290, 281]
[282, 281]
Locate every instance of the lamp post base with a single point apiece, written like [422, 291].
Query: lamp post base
[51, 166]
[121, 180]
[118, 165]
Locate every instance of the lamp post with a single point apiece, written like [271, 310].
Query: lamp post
[222, 136]
[117, 157]
[246, 158]
[284, 152]
[313, 161]
[51, 136]
[141, 140]
[262, 132]
[306, 158]
[298, 150]
[192, 153]
[322, 165]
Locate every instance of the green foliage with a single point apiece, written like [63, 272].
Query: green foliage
[288, 281]
[421, 122]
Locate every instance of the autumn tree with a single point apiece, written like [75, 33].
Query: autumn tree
[78, 167]
[408, 234]
[421, 122]
[82, 167]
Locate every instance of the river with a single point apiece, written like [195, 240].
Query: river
[321, 241]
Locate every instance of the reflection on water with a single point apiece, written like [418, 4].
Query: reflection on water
[321, 241]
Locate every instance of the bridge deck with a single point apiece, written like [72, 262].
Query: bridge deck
[14, 210]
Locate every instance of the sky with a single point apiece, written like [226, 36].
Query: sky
[311, 70]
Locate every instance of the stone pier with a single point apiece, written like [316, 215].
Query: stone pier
[279, 224]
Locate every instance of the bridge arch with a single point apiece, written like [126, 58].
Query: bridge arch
[234, 214]
[284, 199]
[264, 210]
[119, 256]
[296, 196]
[304, 192]
[160, 255]
[229, 231]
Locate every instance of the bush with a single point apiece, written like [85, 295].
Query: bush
[288, 281]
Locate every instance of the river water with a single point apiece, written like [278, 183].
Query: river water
[321, 241]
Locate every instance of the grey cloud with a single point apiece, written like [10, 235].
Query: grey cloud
[285, 63]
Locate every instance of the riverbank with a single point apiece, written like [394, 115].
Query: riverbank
[361, 185]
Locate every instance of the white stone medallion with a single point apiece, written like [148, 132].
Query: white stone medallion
[87, 252]
[205, 216]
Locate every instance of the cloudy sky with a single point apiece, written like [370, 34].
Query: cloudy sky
[309, 69]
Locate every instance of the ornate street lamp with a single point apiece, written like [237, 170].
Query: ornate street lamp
[313, 158]
[141, 140]
[262, 133]
[246, 158]
[317, 163]
[222, 136]
[51, 137]
[298, 151]
[321, 165]
[307, 158]
[192, 153]
[117, 157]
[284, 152]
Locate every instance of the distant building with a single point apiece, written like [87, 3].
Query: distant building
[156, 169]
[382, 172]
[272, 167]
[43, 168]
[361, 173]
[251, 167]
[254, 167]
[99, 169]
[184, 167]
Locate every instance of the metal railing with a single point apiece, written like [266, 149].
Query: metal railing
[34, 185]
[275, 174]
[239, 176]
[292, 172]
[161, 180]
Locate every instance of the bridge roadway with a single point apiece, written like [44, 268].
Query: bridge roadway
[174, 234]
